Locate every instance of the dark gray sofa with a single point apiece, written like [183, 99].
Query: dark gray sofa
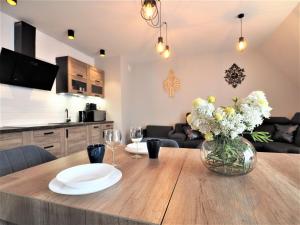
[177, 134]
[275, 146]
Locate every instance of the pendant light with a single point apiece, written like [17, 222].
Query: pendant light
[102, 53]
[12, 2]
[71, 34]
[242, 43]
[150, 12]
[166, 53]
[160, 46]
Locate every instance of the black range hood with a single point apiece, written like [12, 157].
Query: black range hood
[20, 68]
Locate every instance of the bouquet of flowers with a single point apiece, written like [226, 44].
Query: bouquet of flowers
[225, 125]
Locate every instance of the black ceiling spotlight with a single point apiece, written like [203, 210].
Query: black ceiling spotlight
[71, 34]
[102, 52]
[12, 2]
[150, 12]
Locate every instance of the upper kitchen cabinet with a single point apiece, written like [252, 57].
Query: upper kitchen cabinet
[95, 82]
[77, 77]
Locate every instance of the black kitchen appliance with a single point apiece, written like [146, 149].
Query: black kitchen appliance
[95, 115]
[91, 106]
[82, 116]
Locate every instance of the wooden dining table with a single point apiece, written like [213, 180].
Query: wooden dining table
[174, 189]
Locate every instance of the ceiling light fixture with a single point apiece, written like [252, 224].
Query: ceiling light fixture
[12, 2]
[71, 34]
[150, 12]
[102, 53]
[242, 43]
[166, 53]
[160, 46]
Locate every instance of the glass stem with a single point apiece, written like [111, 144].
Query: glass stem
[113, 155]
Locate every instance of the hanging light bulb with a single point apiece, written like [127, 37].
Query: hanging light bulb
[149, 9]
[166, 54]
[242, 43]
[12, 2]
[160, 46]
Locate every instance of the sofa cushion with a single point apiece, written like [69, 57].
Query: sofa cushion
[258, 146]
[266, 128]
[158, 131]
[191, 134]
[176, 136]
[179, 127]
[297, 137]
[277, 120]
[190, 144]
[284, 133]
[296, 118]
[281, 147]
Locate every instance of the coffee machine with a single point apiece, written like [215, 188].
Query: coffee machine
[91, 114]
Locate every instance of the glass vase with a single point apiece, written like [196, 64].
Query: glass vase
[228, 156]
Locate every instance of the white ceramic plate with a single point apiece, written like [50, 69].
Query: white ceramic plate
[84, 176]
[132, 148]
[60, 188]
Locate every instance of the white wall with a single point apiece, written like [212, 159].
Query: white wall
[30, 106]
[201, 76]
[118, 103]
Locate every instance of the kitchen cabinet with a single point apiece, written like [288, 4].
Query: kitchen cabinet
[76, 77]
[12, 140]
[95, 82]
[58, 141]
[76, 139]
[96, 133]
[51, 140]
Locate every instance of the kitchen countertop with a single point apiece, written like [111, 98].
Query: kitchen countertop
[21, 128]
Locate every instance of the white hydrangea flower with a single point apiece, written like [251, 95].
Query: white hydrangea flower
[246, 114]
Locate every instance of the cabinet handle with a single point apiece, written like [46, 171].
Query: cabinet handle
[67, 133]
[97, 81]
[47, 147]
[79, 75]
[47, 133]
[96, 127]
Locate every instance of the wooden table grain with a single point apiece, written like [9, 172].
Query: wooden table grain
[270, 194]
[176, 189]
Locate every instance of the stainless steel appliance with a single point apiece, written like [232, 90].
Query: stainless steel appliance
[95, 115]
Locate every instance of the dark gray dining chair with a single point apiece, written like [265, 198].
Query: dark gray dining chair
[165, 142]
[19, 158]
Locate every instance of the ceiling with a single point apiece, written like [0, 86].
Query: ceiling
[194, 26]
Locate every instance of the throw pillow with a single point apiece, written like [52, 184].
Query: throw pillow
[191, 134]
[284, 133]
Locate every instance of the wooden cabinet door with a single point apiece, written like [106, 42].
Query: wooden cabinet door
[95, 82]
[95, 135]
[76, 139]
[11, 140]
[77, 69]
[52, 140]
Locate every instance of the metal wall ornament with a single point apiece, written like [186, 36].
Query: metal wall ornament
[234, 75]
[171, 84]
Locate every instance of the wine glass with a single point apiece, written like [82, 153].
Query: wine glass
[112, 138]
[136, 135]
